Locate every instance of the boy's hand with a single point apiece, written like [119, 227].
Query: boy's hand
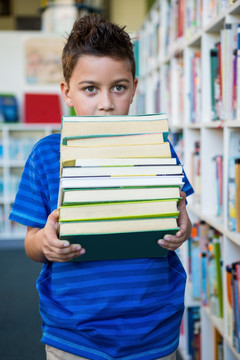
[43, 244]
[172, 242]
[55, 249]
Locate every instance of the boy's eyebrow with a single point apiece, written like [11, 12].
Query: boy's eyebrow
[96, 83]
[120, 80]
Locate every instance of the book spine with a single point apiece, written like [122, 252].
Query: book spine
[238, 74]
[237, 182]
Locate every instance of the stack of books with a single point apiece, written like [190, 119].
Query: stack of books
[119, 186]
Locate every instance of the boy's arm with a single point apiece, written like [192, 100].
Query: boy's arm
[172, 242]
[43, 245]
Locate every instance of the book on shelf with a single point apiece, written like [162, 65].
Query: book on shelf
[233, 303]
[194, 332]
[229, 303]
[195, 92]
[218, 345]
[195, 172]
[214, 272]
[238, 75]
[228, 37]
[215, 83]
[48, 105]
[205, 258]
[116, 196]
[233, 181]
[218, 177]
[194, 259]
[237, 193]
[9, 108]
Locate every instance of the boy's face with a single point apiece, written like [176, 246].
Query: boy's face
[100, 86]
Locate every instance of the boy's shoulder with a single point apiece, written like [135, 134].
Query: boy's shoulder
[48, 142]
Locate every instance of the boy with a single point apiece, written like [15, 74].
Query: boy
[125, 309]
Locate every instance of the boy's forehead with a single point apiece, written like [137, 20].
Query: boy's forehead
[94, 62]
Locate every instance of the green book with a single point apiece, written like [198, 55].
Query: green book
[118, 239]
[120, 246]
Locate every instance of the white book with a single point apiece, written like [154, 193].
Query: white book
[99, 182]
[162, 170]
[125, 162]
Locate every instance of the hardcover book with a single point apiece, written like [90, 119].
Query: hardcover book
[119, 186]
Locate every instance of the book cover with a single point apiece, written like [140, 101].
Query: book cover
[214, 72]
[48, 107]
[119, 245]
[118, 239]
[217, 258]
[229, 303]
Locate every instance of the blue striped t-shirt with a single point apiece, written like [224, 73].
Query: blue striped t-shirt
[121, 309]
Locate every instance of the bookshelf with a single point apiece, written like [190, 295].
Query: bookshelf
[16, 142]
[175, 44]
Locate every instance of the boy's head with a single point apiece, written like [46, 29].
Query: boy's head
[99, 68]
[93, 35]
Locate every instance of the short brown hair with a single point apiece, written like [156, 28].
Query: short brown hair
[93, 35]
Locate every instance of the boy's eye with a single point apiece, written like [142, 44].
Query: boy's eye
[118, 88]
[90, 89]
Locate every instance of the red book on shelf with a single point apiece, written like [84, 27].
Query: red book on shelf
[42, 108]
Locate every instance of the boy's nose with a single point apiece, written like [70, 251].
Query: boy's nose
[105, 102]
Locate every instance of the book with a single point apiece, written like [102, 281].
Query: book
[120, 151]
[214, 71]
[238, 76]
[78, 196]
[113, 246]
[113, 140]
[113, 125]
[217, 258]
[121, 162]
[49, 108]
[237, 195]
[127, 158]
[78, 171]
[118, 239]
[119, 210]
[218, 175]
[116, 182]
[8, 108]
[116, 226]
[229, 303]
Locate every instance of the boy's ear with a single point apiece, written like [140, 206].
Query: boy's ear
[65, 93]
[135, 83]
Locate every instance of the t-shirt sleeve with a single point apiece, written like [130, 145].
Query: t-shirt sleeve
[187, 187]
[30, 207]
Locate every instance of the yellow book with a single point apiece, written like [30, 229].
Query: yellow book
[143, 151]
[119, 210]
